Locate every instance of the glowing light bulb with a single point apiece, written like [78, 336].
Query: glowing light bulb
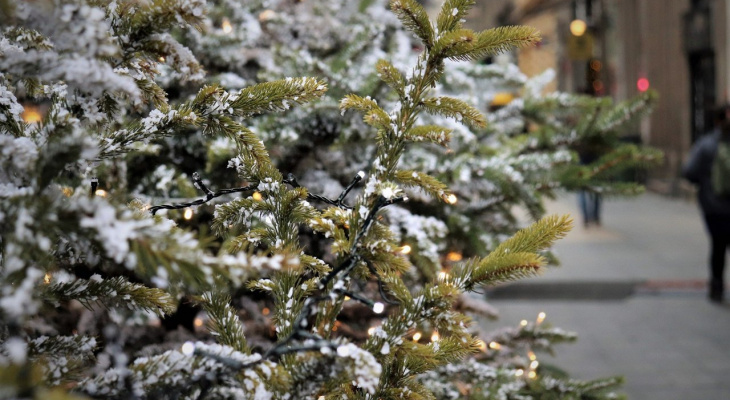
[406, 249]
[532, 375]
[257, 196]
[198, 322]
[320, 398]
[267, 15]
[188, 348]
[540, 317]
[495, 346]
[100, 193]
[534, 364]
[347, 298]
[265, 311]
[435, 337]
[47, 279]
[417, 336]
[482, 345]
[642, 84]
[523, 322]
[454, 256]
[451, 199]
[378, 307]
[226, 26]
[371, 330]
[519, 372]
[31, 115]
[531, 355]
[162, 59]
[578, 27]
[188, 213]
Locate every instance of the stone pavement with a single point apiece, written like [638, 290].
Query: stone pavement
[634, 291]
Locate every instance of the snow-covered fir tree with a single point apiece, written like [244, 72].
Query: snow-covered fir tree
[172, 229]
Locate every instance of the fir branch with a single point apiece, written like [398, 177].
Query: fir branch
[276, 95]
[224, 323]
[451, 14]
[430, 133]
[499, 40]
[414, 18]
[425, 182]
[455, 108]
[391, 76]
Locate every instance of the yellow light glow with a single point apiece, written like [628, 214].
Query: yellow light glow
[578, 27]
[482, 345]
[523, 322]
[47, 279]
[265, 311]
[451, 199]
[267, 15]
[67, 191]
[320, 398]
[541, 317]
[198, 322]
[454, 256]
[532, 374]
[162, 59]
[188, 213]
[534, 364]
[257, 196]
[31, 115]
[519, 372]
[405, 249]
[371, 330]
[495, 346]
[435, 337]
[100, 193]
[502, 99]
[347, 298]
[226, 26]
[531, 355]
[417, 336]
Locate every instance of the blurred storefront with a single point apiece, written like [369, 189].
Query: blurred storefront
[677, 47]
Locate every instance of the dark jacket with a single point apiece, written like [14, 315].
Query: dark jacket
[697, 170]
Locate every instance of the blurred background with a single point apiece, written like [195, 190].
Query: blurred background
[618, 48]
[634, 289]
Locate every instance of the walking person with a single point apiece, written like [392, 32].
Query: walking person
[707, 167]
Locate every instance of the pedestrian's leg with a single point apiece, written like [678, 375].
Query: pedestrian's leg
[718, 249]
[597, 208]
[583, 202]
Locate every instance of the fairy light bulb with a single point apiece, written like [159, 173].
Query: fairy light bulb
[531, 355]
[532, 375]
[378, 307]
[161, 59]
[267, 15]
[100, 192]
[265, 311]
[31, 115]
[482, 345]
[519, 372]
[454, 256]
[451, 199]
[188, 348]
[256, 196]
[540, 317]
[435, 336]
[188, 213]
[371, 330]
[578, 27]
[495, 346]
[406, 249]
[198, 322]
[47, 278]
[534, 364]
[226, 26]
[417, 336]
[523, 322]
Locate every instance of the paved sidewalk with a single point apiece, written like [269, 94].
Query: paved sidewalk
[634, 292]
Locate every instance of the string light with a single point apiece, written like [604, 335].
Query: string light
[578, 27]
[495, 346]
[265, 311]
[371, 330]
[406, 249]
[417, 336]
[540, 317]
[198, 322]
[47, 279]
[451, 199]
[378, 307]
[519, 372]
[31, 115]
[162, 59]
[454, 256]
[523, 322]
[188, 348]
[534, 364]
[347, 298]
[257, 196]
[100, 192]
[531, 355]
[482, 345]
[188, 213]
[226, 26]
[435, 336]
[320, 398]
[532, 375]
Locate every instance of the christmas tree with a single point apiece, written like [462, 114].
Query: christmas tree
[167, 231]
